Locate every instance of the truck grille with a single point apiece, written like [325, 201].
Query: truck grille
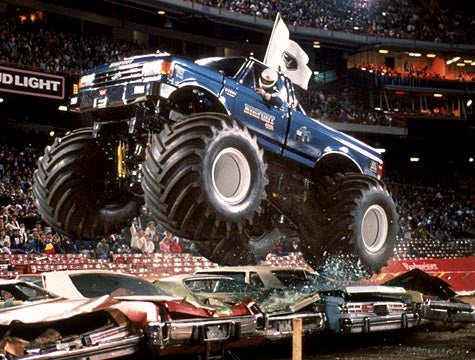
[119, 75]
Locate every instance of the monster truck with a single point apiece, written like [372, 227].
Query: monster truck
[214, 163]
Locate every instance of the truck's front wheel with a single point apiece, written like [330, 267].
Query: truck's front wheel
[205, 178]
[352, 214]
[75, 192]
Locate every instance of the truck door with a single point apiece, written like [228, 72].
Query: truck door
[269, 121]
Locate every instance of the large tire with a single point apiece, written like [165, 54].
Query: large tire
[352, 216]
[72, 192]
[204, 178]
[242, 249]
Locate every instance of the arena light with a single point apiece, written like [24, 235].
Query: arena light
[1, 100]
[414, 159]
[469, 102]
[430, 56]
[62, 108]
[316, 44]
[383, 51]
[437, 95]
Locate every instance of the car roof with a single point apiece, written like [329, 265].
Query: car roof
[375, 289]
[181, 277]
[256, 268]
[89, 271]
[266, 273]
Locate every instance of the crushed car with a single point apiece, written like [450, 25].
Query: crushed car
[172, 324]
[348, 309]
[280, 306]
[372, 308]
[36, 324]
[440, 302]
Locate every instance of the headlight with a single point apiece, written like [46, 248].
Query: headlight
[159, 67]
[86, 80]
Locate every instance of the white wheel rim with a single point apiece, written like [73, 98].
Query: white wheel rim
[374, 229]
[231, 176]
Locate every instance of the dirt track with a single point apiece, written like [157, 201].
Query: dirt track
[430, 341]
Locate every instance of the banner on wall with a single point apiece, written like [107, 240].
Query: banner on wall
[32, 83]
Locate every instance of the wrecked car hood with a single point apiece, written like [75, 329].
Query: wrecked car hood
[423, 282]
[54, 309]
[280, 301]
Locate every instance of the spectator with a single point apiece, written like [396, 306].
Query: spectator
[34, 242]
[148, 246]
[56, 241]
[49, 248]
[69, 246]
[5, 248]
[3, 237]
[151, 229]
[176, 246]
[103, 250]
[144, 218]
[166, 243]
[138, 241]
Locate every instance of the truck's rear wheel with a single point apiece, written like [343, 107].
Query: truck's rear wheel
[243, 249]
[72, 190]
[205, 178]
[351, 214]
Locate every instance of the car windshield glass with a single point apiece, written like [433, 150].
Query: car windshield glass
[95, 285]
[22, 292]
[238, 275]
[229, 66]
[291, 278]
[219, 286]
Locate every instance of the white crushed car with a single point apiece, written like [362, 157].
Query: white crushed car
[172, 324]
[36, 324]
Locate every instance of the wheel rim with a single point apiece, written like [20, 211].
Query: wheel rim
[374, 229]
[231, 176]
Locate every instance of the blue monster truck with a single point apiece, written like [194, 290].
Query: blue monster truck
[214, 163]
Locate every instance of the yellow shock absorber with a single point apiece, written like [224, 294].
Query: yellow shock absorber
[306, 183]
[121, 171]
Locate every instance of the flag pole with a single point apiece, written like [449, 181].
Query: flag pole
[276, 21]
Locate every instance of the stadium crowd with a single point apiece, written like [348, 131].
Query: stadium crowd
[406, 19]
[36, 47]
